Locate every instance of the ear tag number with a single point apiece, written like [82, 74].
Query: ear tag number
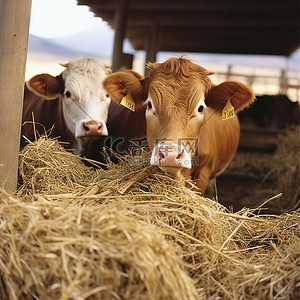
[128, 102]
[228, 111]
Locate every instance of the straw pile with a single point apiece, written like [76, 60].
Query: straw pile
[132, 232]
[85, 253]
[286, 167]
[259, 176]
[46, 168]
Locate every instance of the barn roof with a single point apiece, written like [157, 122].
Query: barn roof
[209, 26]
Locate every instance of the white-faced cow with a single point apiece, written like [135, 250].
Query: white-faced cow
[73, 104]
[184, 116]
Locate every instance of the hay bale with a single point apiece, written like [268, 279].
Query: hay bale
[228, 256]
[46, 167]
[48, 252]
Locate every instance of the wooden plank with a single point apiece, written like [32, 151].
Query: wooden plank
[14, 27]
[120, 22]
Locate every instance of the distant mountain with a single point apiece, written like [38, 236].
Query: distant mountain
[94, 42]
[97, 41]
[44, 46]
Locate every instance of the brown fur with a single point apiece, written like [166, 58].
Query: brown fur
[125, 82]
[48, 118]
[46, 85]
[175, 87]
[239, 94]
[217, 143]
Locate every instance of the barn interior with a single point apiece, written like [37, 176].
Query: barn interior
[217, 27]
[128, 231]
[201, 26]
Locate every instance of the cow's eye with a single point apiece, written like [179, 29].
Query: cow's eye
[149, 105]
[67, 94]
[200, 108]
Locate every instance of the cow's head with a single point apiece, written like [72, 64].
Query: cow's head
[180, 98]
[84, 101]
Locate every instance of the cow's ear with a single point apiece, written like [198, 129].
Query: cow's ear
[46, 85]
[119, 84]
[240, 95]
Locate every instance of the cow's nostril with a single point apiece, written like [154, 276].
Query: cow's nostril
[160, 154]
[180, 155]
[85, 127]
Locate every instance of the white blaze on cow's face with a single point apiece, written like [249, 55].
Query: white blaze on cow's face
[174, 117]
[85, 103]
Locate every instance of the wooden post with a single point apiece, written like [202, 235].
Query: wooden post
[151, 45]
[283, 83]
[14, 28]
[229, 72]
[120, 31]
[127, 61]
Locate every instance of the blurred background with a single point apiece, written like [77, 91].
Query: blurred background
[63, 30]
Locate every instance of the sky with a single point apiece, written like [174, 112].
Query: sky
[58, 18]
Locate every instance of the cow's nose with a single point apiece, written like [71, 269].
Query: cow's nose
[93, 128]
[165, 155]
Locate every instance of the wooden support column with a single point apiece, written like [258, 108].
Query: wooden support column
[14, 28]
[120, 32]
[283, 83]
[151, 45]
[229, 72]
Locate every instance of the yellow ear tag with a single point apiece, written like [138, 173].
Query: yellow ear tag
[228, 111]
[128, 102]
[50, 97]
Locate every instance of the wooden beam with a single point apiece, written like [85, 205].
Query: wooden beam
[210, 18]
[220, 33]
[120, 31]
[152, 46]
[255, 20]
[190, 4]
[14, 27]
[143, 19]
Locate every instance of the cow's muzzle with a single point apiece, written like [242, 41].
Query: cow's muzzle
[171, 155]
[92, 129]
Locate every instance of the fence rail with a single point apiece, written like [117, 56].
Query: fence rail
[285, 83]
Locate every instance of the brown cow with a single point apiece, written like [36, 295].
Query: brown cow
[184, 114]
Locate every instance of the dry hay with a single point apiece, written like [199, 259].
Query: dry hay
[85, 252]
[254, 177]
[286, 166]
[126, 212]
[45, 167]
